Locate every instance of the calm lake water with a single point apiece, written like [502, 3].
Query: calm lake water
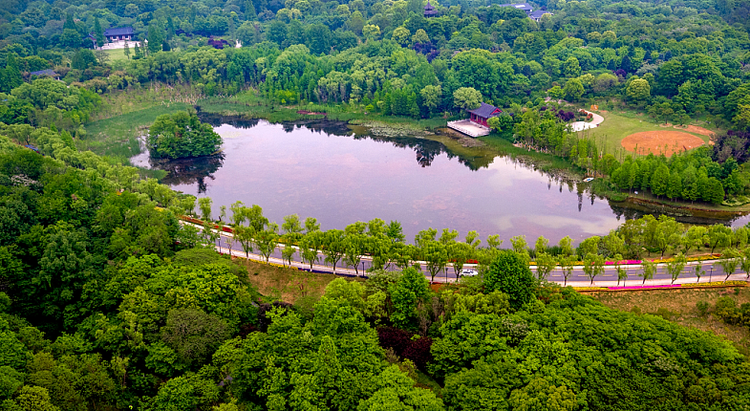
[322, 170]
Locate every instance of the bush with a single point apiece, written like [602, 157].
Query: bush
[418, 351]
[395, 338]
[510, 274]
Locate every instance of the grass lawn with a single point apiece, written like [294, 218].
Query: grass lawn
[117, 54]
[617, 126]
[679, 306]
[118, 136]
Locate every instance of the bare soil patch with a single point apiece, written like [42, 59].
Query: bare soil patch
[699, 130]
[287, 284]
[657, 142]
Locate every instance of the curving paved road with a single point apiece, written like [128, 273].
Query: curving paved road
[713, 272]
[585, 125]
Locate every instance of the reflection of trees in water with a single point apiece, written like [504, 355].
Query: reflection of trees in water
[190, 170]
[634, 211]
[216, 120]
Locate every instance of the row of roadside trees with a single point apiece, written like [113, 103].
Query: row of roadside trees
[384, 244]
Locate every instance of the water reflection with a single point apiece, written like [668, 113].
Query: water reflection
[189, 171]
[426, 150]
[309, 169]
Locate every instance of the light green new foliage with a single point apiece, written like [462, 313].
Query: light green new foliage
[593, 265]
[411, 287]
[648, 269]
[545, 263]
[676, 265]
[467, 98]
[730, 260]
[622, 273]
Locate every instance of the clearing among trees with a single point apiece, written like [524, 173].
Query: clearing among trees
[661, 141]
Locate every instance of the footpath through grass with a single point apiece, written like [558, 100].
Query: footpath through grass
[680, 306]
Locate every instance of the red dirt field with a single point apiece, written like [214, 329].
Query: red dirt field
[699, 130]
[661, 141]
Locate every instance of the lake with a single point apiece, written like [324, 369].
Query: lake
[323, 170]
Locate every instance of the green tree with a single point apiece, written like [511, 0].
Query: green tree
[371, 32]
[156, 36]
[638, 91]
[730, 260]
[719, 235]
[409, 290]
[431, 96]
[510, 273]
[194, 335]
[573, 90]
[467, 98]
[402, 36]
[571, 67]
[674, 187]
[676, 265]
[334, 247]
[648, 269]
[593, 265]
[267, 240]
[181, 135]
[622, 272]
[545, 263]
[660, 181]
[31, 398]
[99, 32]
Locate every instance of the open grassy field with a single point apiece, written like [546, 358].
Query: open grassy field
[116, 54]
[618, 125]
[117, 136]
[679, 306]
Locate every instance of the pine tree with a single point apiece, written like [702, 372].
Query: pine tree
[660, 180]
[12, 75]
[411, 103]
[155, 37]
[633, 176]
[127, 51]
[69, 23]
[690, 184]
[98, 32]
[170, 28]
[715, 192]
[674, 190]
[250, 13]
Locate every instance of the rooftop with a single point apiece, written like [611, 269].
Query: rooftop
[119, 31]
[484, 110]
[539, 13]
[47, 72]
[521, 6]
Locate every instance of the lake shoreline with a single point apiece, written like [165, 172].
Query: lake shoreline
[386, 127]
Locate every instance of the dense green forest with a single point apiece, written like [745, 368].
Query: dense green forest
[673, 60]
[108, 303]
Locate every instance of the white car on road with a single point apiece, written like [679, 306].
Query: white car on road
[468, 272]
